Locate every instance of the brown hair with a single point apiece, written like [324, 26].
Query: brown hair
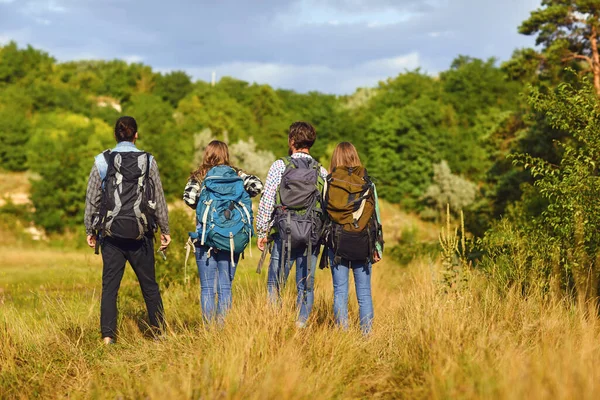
[344, 155]
[216, 153]
[302, 134]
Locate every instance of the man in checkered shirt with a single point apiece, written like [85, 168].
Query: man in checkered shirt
[301, 138]
[115, 252]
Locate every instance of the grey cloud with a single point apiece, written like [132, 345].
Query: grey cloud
[370, 5]
[200, 34]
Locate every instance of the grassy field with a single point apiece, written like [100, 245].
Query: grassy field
[426, 343]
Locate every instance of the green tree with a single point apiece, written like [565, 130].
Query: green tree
[472, 86]
[557, 219]
[173, 86]
[568, 31]
[159, 135]
[16, 64]
[403, 146]
[14, 136]
[61, 153]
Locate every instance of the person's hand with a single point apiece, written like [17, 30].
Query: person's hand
[376, 257]
[91, 241]
[165, 240]
[261, 243]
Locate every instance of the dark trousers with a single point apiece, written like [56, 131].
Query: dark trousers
[140, 254]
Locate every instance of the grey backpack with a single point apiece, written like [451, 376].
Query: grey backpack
[298, 215]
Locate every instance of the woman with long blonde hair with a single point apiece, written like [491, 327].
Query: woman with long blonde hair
[355, 239]
[220, 194]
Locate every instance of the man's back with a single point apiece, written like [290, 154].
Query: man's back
[99, 172]
[117, 202]
[268, 199]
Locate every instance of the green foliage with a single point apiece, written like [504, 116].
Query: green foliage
[61, 151]
[473, 86]
[559, 240]
[567, 32]
[173, 87]
[14, 135]
[17, 64]
[401, 128]
[409, 248]
[403, 145]
[173, 268]
[159, 136]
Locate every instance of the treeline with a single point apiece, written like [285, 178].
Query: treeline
[55, 116]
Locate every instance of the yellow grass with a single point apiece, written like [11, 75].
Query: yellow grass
[425, 343]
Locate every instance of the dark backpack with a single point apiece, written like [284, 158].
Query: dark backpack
[350, 203]
[298, 214]
[128, 206]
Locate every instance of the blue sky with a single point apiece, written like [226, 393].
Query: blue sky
[332, 46]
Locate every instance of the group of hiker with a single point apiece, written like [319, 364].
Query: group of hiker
[305, 210]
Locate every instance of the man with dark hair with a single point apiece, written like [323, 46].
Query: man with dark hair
[124, 205]
[301, 137]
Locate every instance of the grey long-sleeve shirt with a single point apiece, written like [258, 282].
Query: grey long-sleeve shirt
[94, 197]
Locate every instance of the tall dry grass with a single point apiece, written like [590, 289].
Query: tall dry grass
[469, 343]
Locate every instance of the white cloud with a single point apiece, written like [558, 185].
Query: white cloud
[308, 77]
[133, 58]
[440, 34]
[38, 7]
[318, 12]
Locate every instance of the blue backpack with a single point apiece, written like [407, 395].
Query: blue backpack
[224, 212]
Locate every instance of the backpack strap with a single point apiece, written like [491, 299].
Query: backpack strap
[308, 270]
[338, 236]
[102, 162]
[148, 164]
[287, 161]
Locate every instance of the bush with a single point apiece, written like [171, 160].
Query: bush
[410, 248]
[448, 188]
[173, 269]
[558, 247]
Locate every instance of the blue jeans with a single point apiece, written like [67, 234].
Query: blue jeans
[216, 275]
[362, 280]
[277, 278]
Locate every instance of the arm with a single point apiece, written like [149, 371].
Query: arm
[162, 212]
[93, 199]
[267, 201]
[191, 193]
[252, 183]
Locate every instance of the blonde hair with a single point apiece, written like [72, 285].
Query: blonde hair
[344, 155]
[216, 153]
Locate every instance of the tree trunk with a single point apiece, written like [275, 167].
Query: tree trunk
[595, 58]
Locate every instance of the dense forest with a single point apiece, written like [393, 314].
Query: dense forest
[55, 116]
[511, 144]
